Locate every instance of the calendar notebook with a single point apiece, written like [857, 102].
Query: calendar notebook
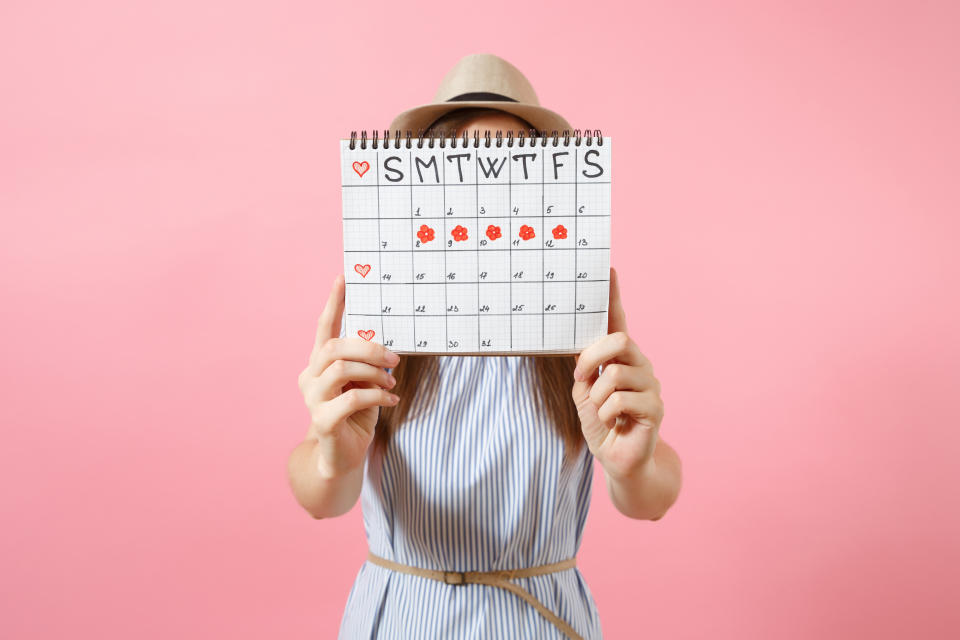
[477, 245]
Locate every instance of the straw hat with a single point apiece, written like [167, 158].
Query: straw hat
[488, 81]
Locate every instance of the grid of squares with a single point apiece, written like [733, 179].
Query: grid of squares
[478, 249]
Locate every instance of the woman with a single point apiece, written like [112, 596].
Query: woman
[469, 466]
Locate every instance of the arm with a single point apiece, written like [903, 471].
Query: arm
[618, 400]
[344, 385]
[652, 490]
[321, 496]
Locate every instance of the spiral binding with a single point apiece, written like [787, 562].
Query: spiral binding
[440, 139]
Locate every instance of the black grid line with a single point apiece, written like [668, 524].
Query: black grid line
[446, 321]
[519, 249]
[468, 184]
[543, 253]
[476, 177]
[471, 315]
[486, 281]
[379, 244]
[582, 215]
[576, 240]
[413, 289]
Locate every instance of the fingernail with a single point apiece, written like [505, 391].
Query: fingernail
[391, 380]
[394, 399]
[392, 358]
[577, 375]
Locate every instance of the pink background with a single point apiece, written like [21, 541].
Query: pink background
[786, 222]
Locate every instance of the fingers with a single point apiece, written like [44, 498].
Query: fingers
[617, 317]
[622, 377]
[328, 326]
[357, 349]
[329, 414]
[340, 372]
[614, 346]
[639, 405]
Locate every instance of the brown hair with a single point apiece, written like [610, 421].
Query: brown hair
[417, 376]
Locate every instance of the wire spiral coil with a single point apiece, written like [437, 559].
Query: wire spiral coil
[441, 139]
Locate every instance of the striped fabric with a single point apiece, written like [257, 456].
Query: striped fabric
[476, 483]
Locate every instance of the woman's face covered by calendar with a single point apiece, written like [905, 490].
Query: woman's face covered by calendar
[493, 247]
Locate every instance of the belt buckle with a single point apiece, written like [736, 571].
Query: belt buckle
[457, 578]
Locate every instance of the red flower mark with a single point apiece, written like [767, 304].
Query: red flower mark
[459, 233]
[425, 234]
[560, 232]
[526, 232]
[493, 232]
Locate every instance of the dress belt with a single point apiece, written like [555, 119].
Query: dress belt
[499, 579]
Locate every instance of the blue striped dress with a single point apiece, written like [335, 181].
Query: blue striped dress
[476, 483]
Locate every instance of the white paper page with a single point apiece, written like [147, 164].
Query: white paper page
[483, 250]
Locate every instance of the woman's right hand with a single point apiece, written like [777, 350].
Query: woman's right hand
[344, 386]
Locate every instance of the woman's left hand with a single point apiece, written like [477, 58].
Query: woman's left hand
[620, 409]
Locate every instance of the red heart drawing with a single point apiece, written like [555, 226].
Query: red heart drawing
[362, 269]
[366, 335]
[361, 167]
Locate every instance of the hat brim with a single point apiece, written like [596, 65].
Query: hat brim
[421, 117]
